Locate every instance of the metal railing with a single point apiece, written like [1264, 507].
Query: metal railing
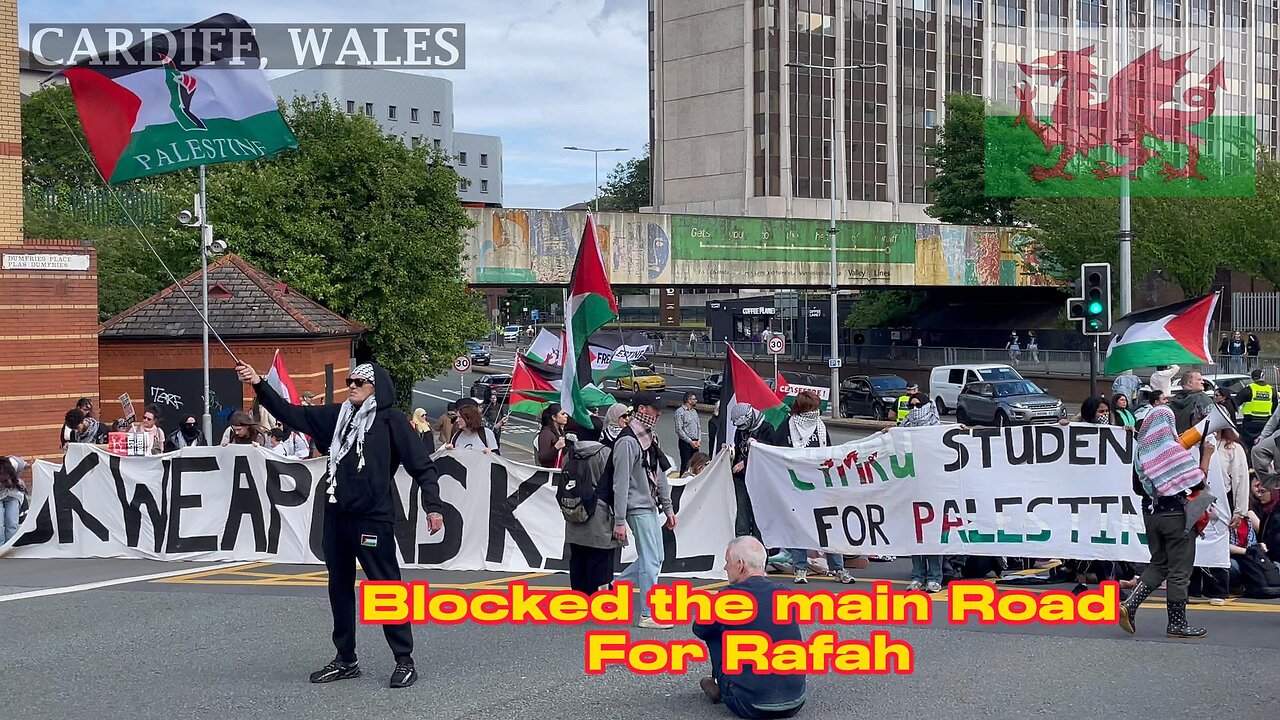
[1255, 311]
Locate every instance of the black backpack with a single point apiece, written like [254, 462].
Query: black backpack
[581, 484]
[1259, 573]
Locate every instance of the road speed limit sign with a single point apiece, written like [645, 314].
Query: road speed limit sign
[777, 345]
[462, 363]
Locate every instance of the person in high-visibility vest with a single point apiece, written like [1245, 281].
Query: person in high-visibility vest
[1257, 402]
[904, 402]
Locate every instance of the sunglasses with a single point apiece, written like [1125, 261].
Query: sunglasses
[148, 418]
[357, 382]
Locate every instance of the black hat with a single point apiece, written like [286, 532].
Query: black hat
[463, 402]
[645, 397]
[1257, 373]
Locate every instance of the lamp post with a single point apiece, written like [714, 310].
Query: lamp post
[831, 232]
[596, 153]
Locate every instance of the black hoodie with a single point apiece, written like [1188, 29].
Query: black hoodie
[390, 442]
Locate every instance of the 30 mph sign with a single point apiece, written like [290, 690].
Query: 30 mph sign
[462, 363]
[777, 345]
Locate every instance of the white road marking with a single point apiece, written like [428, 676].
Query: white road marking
[451, 392]
[437, 397]
[46, 592]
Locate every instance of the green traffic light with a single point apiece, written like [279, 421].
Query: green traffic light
[1095, 308]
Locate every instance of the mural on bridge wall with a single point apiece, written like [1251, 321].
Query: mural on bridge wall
[526, 247]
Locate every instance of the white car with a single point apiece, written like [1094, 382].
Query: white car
[511, 333]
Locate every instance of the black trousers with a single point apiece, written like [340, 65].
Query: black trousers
[1250, 429]
[686, 452]
[1210, 582]
[347, 539]
[589, 568]
[745, 524]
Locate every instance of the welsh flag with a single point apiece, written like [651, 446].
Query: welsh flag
[591, 306]
[741, 384]
[154, 109]
[1171, 335]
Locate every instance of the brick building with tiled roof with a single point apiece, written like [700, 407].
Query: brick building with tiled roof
[152, 351]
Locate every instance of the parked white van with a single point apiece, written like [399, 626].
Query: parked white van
[946, 381]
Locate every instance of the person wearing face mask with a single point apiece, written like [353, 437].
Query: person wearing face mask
[748, 424]
[366, 439]
[640, 493]
[187, 435]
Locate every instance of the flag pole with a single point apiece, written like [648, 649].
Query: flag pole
[206, 241]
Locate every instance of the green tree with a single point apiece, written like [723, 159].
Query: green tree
[365, 225]
[957, 187]
[627, 187]
[884, 308]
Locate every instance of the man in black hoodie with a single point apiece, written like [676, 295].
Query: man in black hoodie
[365, 438]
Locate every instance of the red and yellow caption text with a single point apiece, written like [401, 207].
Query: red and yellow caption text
[730, 612]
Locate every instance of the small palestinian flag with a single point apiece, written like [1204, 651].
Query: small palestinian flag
[155, 109]
[531, 392]
[591, 306]
[741, 384]
[1170, 335]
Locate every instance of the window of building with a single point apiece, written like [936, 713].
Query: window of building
[351, 107]
[484, 160]
[416, 141]
[391, 112]
[435, 117]
[484, 186]
[462, 184]
[413, 114]
[436, 143]
[462, 158]
[368, 109]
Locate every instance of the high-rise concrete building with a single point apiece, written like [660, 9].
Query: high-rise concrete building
[418, 109]
[736, 131]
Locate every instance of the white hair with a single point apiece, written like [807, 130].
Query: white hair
[747, 549]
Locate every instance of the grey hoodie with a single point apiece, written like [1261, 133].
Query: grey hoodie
[631, 494]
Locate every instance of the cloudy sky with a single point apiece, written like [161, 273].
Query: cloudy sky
[541, 74]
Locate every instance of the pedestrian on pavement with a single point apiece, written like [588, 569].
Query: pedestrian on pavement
[363, 437]
[1165, 472]
[805, 429]
[1121, 415]
[1224, 353]
[1162, 378]
[1236, 349]
[187, 435]
[1014, 347]
[12, 493]
[150, 426]
[1033, 346]
[1212, 584]
[1257, 402]
[751, 693]
[551, 440]
[693, 340]
[242, 430]
[688, 430]
[422, 425]
[471, 433]
[640, 494]
[1190, 404]
[1127, 384]
[1253, 348]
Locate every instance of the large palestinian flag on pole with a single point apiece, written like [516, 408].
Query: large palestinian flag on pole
[741, 384]
[1170, 335]
[154, 108]
[591, 306]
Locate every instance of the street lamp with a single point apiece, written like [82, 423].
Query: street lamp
[831, 232]
[596, 153]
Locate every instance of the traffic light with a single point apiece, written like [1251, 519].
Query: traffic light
[1095, 284]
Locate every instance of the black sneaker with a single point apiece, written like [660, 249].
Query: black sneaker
[405, 675]
[336, 670]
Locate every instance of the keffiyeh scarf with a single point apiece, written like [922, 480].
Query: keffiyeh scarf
[804, 427]
[922, 416]
[1164, 466]
[648, 453]
[353, 423]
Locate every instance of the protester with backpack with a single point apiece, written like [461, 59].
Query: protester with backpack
[586, 500]
[471, 434]
[551, 439]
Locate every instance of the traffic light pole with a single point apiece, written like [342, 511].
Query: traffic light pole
[1093, 372]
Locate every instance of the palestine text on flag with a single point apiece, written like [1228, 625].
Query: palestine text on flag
[1170, 335]
[155, 109]
[591, 306]
[741, 384]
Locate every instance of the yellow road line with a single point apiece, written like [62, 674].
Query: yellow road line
[212, 571]
[499, 581]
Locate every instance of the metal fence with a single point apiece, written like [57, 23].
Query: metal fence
[1255, 311]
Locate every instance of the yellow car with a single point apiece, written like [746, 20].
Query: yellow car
[646, 378]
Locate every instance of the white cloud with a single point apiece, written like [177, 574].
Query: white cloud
[542, 74]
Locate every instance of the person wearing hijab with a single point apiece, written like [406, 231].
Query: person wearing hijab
[363, 437]
[615, 419]
[422, 426]
[806, 430]
[1164, 473]
[551, 441]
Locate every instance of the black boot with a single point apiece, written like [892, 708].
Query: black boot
[1178, 627]
[1129, 608]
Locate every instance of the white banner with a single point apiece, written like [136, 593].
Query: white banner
[1046, 491]
[250, 504]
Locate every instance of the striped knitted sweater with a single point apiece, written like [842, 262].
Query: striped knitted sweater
[1164, 466]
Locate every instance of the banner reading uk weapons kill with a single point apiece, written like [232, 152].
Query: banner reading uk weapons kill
[248, 504]
[1043, 492]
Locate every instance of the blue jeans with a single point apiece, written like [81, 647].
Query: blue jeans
[926, 568]
[800, 559]
[646, 529]
[737, 705]
[9, 509]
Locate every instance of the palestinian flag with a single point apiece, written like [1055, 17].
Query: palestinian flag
[591, 306]
[1171, 335]
[154, 109]
[612, 354]
[535, 385]
[741, 384]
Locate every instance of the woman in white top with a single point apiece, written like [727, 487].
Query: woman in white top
[471, 433]
[1213, 583]
[288, 443]
[150, 426]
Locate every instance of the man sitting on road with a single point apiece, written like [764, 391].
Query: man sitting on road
[751, 695]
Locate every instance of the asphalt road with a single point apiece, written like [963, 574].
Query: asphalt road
[240, 642]
[520, 433]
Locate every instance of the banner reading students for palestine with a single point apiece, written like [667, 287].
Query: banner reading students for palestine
[249, 504]
[1045, 492]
